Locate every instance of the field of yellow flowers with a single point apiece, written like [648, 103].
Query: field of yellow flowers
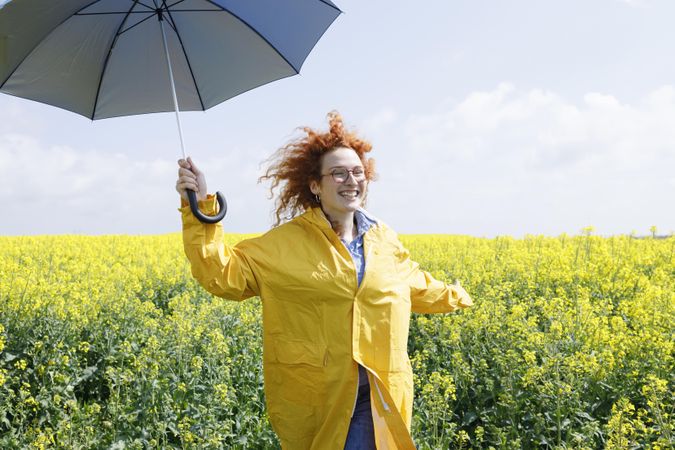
[107, 342]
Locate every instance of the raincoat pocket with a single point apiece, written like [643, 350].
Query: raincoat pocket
[300, 352]
[298, 374]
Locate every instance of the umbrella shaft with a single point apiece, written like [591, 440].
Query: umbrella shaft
[173, 85]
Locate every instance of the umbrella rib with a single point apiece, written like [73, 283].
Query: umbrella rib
[256, 32]
[324, 32]
[138, 23]
[143, 4]
[171, 24]
[198, 10]
[331, 5]
[47, 34]
[107, 13]
[173, 4]
[152, 13]
[194, 80]
[107, 58]
[168, 7]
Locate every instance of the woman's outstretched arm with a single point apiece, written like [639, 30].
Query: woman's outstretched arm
[427, 294]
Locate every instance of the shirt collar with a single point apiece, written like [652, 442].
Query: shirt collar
[363, 222]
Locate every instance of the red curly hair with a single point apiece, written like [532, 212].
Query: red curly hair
[298, 163]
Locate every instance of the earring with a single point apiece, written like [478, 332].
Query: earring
[316, 196]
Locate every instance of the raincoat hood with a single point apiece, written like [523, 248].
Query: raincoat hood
[319, 323]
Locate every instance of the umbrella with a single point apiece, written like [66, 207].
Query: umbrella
[109, 58]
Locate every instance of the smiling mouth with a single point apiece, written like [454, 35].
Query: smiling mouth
[349, 194]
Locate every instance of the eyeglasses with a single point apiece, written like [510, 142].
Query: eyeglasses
[340, 175]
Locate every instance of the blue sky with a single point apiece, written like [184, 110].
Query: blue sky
[487, 118]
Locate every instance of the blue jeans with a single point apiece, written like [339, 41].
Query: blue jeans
[361, 435]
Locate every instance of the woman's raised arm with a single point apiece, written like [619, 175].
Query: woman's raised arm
[223, 270]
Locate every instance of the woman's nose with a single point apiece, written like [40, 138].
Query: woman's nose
[351, 179]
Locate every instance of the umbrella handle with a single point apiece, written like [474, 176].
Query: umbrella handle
[192, 197]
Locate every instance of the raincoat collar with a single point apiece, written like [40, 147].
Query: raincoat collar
[316, 216]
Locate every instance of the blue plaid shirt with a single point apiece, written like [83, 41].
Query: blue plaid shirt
[355, 247]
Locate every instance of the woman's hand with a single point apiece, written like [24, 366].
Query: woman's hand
[460, 290]
[190, 177]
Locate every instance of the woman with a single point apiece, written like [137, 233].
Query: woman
[337, 289]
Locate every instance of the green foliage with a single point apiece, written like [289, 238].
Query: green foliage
[108, 342]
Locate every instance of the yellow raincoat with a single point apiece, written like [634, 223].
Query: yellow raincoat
[317, 324]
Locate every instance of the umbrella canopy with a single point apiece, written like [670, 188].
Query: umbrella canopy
[105, 58]
[108, 58]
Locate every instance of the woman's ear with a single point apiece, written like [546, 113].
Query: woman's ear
[314, 187]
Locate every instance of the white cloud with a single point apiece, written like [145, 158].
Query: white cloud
[500, 161]
[58, 189]
[512, 162]
[542, 131]
[59, 172]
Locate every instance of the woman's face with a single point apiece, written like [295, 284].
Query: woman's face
[341, 197]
